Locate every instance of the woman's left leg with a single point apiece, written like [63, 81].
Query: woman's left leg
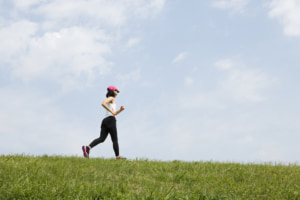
[114, 139]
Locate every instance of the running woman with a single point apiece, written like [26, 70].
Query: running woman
[108, 125]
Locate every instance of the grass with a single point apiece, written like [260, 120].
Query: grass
[56, 177]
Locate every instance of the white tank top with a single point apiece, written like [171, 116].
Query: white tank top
[112, 106]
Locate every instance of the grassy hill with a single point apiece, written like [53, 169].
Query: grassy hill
[55, 177]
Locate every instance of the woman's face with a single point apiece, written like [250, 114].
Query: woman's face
[115, 92]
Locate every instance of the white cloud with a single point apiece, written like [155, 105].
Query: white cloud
[243, 84]
[180, 57]
[67, 42]
[30, 123]
[224, 64]
[188, 81]
[234, 83]
[104, 12]
[72, 57]
[132, 42]
[23, 5]
[233, 5]
[109, 13]
[288, 14]
[124, 78]
[148, 8]
[14, 39]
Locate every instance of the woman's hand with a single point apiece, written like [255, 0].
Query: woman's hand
[118, 111]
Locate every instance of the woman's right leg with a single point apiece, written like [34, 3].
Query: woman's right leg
[103, 136]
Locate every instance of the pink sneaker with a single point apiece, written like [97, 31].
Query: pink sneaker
[85, 152]
[121, 157]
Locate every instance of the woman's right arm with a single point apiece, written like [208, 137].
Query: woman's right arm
[105, 102]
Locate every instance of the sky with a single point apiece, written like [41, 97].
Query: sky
[213, 80]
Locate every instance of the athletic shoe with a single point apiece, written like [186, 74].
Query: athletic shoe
[121, 157]
[86, 151]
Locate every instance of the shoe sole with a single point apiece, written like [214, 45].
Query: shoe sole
[84, 152]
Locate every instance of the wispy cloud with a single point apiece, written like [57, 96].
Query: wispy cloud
[235, 6]
[134, 75]
[180, 57]
[67, 42]
[71, 57]
[114, 14]
[224, 64]
[17, 35]
[288, 14]
[132, 42]
[188, 81]
[240, 82]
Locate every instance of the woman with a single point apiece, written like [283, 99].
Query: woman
[108, 124]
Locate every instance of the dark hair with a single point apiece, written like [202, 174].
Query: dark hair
[110, 93]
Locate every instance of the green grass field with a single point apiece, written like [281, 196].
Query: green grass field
[55, 177]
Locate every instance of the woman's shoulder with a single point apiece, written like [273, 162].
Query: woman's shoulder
[110, 100]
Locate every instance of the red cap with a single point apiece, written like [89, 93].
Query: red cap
[113, 88]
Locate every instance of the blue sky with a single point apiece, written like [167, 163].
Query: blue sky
[200, 80]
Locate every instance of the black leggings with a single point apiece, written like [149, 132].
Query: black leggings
[108, 125]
